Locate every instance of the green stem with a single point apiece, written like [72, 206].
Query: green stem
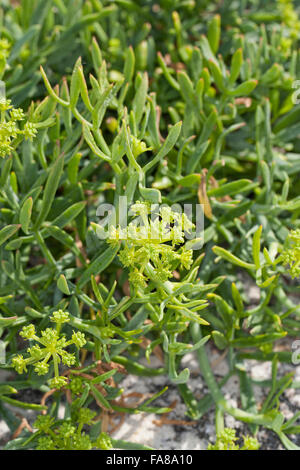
[190, 401]
[172, 366]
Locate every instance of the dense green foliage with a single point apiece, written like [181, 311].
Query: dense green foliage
[187, 102]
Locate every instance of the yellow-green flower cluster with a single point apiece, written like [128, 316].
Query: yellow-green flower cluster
[68, 435]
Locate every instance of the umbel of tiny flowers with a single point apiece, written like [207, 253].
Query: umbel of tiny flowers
[10, 133]
[5, 47]
[51, 346]
[291, 253]
[69, 435]
[155, 242]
